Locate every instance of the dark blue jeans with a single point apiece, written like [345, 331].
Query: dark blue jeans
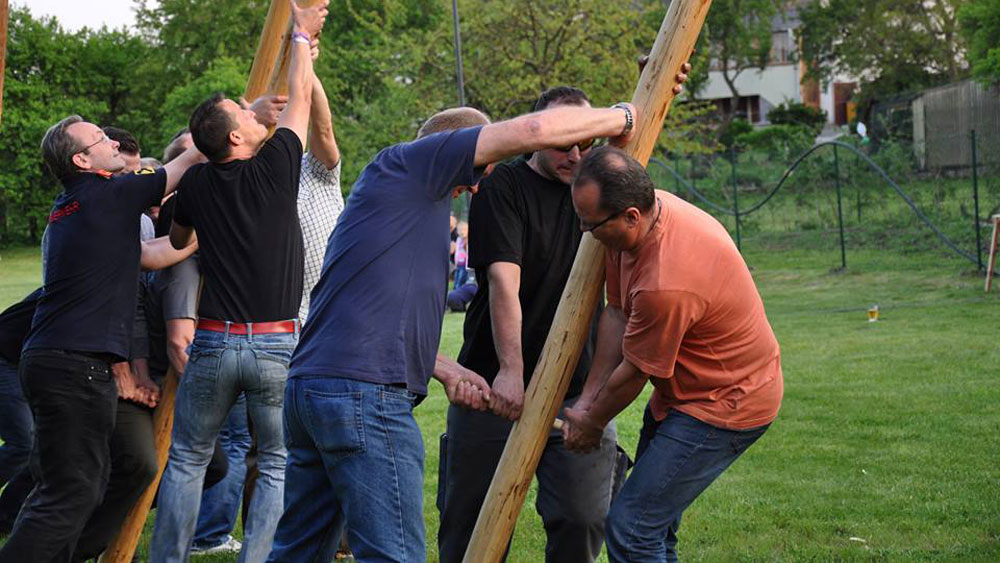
[676, 460]
[16, 425]
[355, 455]
[220, 504]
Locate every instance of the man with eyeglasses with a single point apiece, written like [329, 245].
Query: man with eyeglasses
[684, 314]
[523, 238]
[82, 325]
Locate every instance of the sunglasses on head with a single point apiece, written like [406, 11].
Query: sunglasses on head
[582, 145]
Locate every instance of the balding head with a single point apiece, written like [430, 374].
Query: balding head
[622, 181]
[450, 119]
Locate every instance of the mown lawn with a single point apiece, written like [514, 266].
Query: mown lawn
[888, 442]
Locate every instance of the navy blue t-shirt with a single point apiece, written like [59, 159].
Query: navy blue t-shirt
[92, 263]
[376, 313]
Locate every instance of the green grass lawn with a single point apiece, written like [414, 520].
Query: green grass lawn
[887, 446]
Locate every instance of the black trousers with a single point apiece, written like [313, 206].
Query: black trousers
[73, 399]
[133, 467]
[574, 490]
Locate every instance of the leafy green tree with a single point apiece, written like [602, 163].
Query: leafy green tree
[980, 20]
[892, 46]
[50, 74]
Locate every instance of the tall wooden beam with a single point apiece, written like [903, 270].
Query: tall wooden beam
[545, 393]
[4, 13]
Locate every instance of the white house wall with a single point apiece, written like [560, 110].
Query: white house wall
[775, 84]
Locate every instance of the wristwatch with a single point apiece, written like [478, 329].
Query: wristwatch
[629, 118]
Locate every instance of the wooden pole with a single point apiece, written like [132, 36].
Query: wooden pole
[277, 83]
[267, 48]
[550, 380]
[123, 546]
[4, 10]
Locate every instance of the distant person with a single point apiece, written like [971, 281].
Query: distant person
[683, 313]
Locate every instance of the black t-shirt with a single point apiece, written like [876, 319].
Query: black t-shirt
[249, 239]
[521, 217]
[92, 263]
[15, 322]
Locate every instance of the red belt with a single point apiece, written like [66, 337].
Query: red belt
[272, 327]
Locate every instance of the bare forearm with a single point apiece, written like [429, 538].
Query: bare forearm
[322, 142]
[607, 354]
[505, 314]
[622, 387]
[160, 252]
[180, 334]
[555, 127]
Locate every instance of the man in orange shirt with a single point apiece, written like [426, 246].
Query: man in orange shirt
[684, 313]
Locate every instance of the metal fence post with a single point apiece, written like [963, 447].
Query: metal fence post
[975, 201]
[736, 197]
[840, 208]
[677, 174]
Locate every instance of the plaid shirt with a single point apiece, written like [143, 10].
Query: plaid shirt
[320, 203]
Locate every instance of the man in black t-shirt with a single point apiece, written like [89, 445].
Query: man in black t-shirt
[524, 235]
[81, 326]
[243, 205]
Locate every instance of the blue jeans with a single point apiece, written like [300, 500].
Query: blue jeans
[17, 427]
[355, 456]
[461, 277]
[220, 504]
[676, 460]
[220, 367]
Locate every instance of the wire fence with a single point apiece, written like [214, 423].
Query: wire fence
[845, 194]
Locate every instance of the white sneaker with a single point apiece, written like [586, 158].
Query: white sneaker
[231, 545]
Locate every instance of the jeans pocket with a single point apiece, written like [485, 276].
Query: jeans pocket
[275, 353]
[202, 373]
[335, 422]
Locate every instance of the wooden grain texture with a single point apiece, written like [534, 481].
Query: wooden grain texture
[545, 393]
[268, 46]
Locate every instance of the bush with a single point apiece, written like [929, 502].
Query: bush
[798, 114]
[728, 132]
[779, 141]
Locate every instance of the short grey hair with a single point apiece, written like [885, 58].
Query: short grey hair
[58, 147]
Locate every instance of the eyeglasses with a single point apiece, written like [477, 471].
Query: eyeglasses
[104, 139]
[587, 229]
[582, 145]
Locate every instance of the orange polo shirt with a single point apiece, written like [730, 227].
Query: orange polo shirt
[696, 323]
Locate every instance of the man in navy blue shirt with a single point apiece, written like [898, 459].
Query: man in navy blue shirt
[374, 325]
[81, 326]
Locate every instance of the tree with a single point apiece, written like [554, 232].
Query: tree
[891, 46]
[51, 74]
[980, 20]
[737, 37]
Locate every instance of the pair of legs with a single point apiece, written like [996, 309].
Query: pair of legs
[132, 457]
[74, 401]
[574, 490]
[676, 460]
[355, 457]
[220, 367]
